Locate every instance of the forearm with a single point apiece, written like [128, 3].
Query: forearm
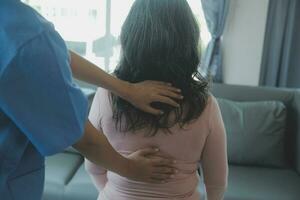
[88, 72]
[96, 148]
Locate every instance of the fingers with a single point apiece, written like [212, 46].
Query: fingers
[161, 178]
[159, 155]
[156, 156]
[169, 88]
[167, 100]
[147, 151]
[158, 83]
[166, 170]
[153, 153]
[163, 162]
[163, 174]
[163, 86]
[163, 99]
[153, 111]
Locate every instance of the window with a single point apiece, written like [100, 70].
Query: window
[92, 27]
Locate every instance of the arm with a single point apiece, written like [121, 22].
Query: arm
[139, 94]
[97, 173]
[96, 148]
[214, 156]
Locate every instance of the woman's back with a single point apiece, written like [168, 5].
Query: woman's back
[160, 41]
[202, 140]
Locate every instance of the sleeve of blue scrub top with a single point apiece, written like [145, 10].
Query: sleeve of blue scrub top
[37, 93]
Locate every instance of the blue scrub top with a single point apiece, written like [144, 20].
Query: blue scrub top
[41, 110]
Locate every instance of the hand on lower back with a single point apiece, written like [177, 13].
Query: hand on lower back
[147, 165]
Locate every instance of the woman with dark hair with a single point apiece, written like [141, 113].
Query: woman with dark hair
[159, 41]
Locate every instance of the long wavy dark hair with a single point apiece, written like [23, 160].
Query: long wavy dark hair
[159, 41]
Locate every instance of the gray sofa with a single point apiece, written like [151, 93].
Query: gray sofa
[66, 178]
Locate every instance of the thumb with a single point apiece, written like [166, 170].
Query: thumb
[148, 151]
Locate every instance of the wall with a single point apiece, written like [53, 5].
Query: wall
[243, 41]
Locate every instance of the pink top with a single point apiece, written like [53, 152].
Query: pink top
[202, 141]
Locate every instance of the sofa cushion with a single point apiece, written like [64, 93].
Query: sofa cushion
[249, 183]
[255, 132]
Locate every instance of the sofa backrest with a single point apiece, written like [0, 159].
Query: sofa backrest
[291, 99]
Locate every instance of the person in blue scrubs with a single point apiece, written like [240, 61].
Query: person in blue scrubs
[42, 111]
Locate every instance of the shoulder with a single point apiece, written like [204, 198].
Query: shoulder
[46, 52]
[210, 109]
[100, 108]
[211, 103]
[19, 24]
[14, 13]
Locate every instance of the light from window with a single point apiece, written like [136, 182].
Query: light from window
[92, 27]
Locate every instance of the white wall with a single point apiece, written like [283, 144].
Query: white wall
[243, 41]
